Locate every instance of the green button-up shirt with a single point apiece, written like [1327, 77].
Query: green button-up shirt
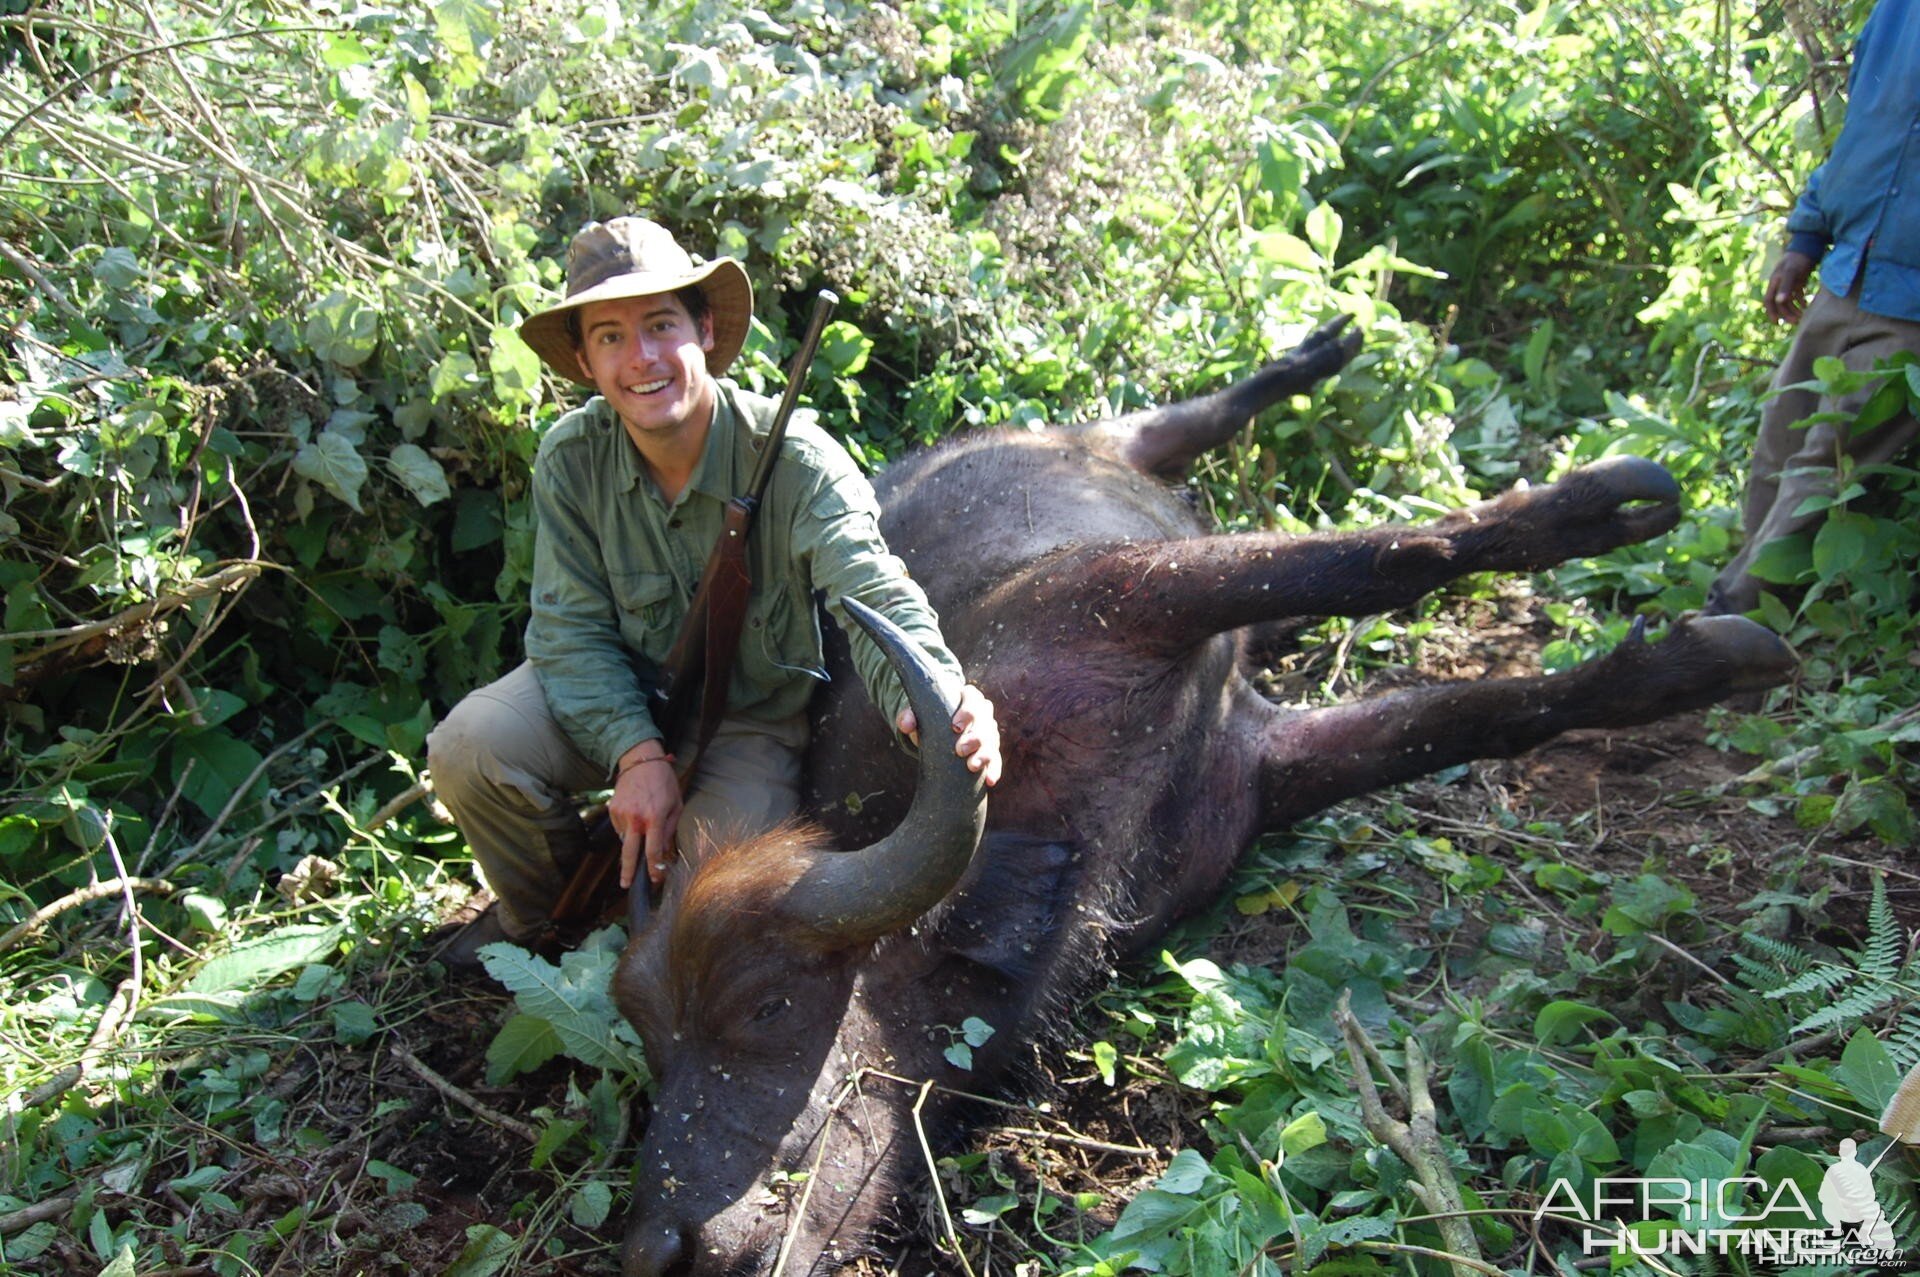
[615, 567]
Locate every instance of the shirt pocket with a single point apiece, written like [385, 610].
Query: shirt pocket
[646, 603]
[783, 637]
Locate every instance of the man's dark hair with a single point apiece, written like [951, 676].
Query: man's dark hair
[692, 297]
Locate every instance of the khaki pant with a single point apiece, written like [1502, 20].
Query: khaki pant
[509, 773]
[1791, 464]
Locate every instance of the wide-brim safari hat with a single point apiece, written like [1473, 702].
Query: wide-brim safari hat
[633, 257]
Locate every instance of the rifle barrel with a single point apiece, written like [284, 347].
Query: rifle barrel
[809, 343]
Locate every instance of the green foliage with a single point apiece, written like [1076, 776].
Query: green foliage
[564, 1008]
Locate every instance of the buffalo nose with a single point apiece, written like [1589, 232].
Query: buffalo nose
[654, 1250]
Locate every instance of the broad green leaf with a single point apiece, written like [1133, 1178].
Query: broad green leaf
[1323, 230]
[573, 998]
[336, 465]
[353, 1022]
[1309, 1130]
[221, 764]
[1186, 1173]
[523, 1044]
[1868, 1072]
[343, 329]
[253, 962]
[118, 269]
[488, 1252]
[592, 1203]
[1840, 545]
[514, 367]
[845, 348]
[554, 1136]
[988, 1209]
[414, 467]
[1539, 346]
[342, 51]
[1289, 252]
[1560, 1022]
[454, 375]
[467, 27]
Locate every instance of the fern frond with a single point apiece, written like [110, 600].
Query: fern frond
[1880, 957]
[1757, 977]
[1903, 1042]
[1851, 1005]
[1773, 964]
[1821, 979]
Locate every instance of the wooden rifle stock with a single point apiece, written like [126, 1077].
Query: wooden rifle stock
[703, 651]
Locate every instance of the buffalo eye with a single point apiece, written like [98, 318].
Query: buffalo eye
[771, 1008]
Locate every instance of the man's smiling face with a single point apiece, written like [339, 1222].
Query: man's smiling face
[648, 357]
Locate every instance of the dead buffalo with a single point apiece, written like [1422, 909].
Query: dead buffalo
[782, 987]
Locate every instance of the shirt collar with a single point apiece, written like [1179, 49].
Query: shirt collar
[714, 476]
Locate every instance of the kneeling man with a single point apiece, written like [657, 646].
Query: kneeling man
[629, 493]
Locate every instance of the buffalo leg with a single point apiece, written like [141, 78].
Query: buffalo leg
[1173, 594]
[1313, 759]
[1164, 441]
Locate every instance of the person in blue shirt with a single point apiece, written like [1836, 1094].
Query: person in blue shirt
[1858, 221]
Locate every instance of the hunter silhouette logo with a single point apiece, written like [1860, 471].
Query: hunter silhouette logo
[1745, 1215]
[1847, 1200]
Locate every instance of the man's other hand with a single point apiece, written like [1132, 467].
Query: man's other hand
[976, 734]
[645, 811]
[1786, 295]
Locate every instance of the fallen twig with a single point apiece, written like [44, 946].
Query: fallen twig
[1684, 956]
[933, 1173]
[1416, 1142]
[230, 577]
[397, 804]
[116, 1013]
[1081, 1141]
[1783, 766]
[39, 1212]
[74, 899]
[463, 1098]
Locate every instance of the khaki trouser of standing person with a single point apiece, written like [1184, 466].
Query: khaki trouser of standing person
[509, 774]
[1792, 463]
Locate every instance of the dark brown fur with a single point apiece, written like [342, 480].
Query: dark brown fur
[1107, 626]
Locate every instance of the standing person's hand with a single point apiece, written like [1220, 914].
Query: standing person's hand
[645, 811]
[1786, 294]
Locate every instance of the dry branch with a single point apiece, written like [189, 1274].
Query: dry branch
[74, 899]
[28, 1216]
[1416, 1142]
[119, 1007]
[82, 645]
[463, 1098]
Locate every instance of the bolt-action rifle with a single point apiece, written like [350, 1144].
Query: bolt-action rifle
[699, 667]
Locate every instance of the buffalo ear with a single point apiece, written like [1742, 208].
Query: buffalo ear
[1007, 913]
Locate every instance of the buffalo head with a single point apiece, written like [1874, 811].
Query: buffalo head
[742, 984]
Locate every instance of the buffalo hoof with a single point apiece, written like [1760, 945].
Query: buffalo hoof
[1756, 657]
[1601, 507]
[1634, 494]
[1325, 350]
[1701, 661]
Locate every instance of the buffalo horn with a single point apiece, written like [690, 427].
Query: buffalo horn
[861, 895]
